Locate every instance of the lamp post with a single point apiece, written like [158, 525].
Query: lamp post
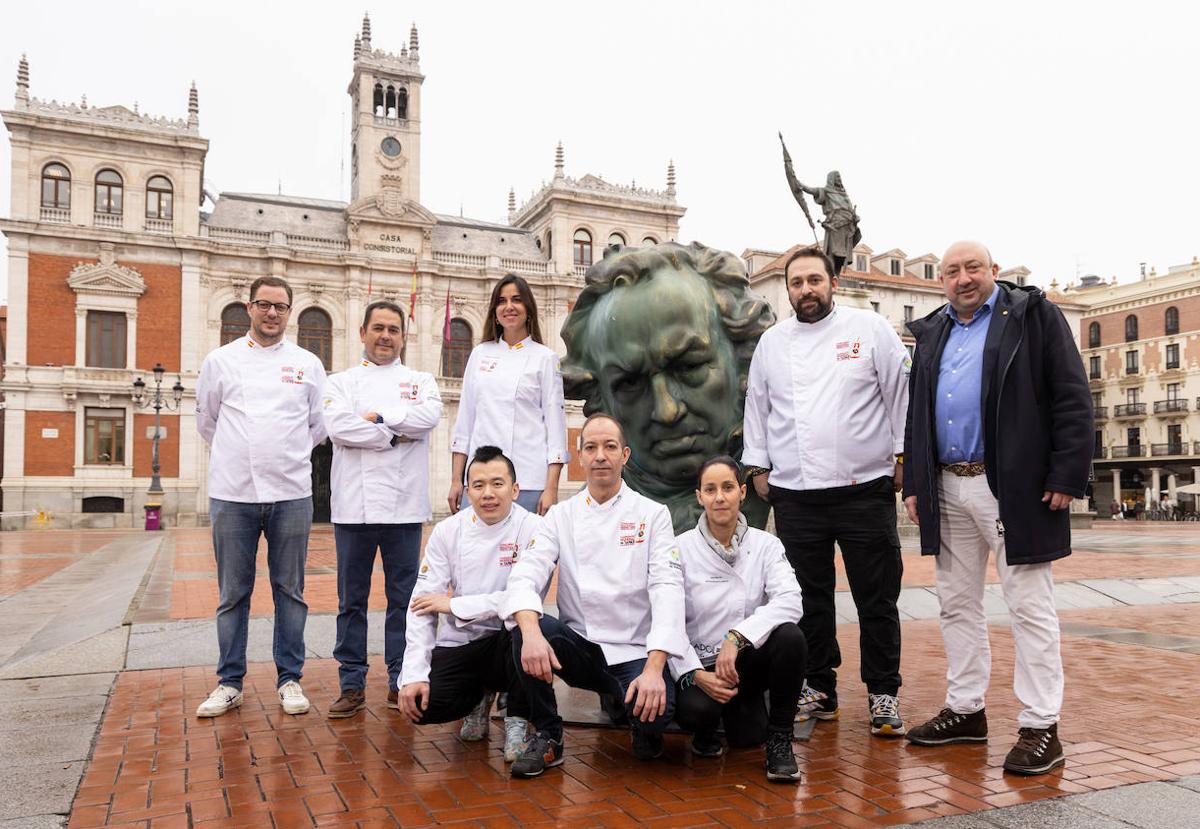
[155, 399]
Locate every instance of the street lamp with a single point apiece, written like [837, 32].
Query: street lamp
[155, 400]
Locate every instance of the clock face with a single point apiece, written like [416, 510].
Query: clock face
[390, 147]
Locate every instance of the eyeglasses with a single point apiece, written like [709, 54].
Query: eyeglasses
[264, 306]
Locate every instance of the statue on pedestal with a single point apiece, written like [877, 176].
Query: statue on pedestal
[840, 220]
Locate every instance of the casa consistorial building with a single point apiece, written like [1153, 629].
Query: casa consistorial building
[115, 267]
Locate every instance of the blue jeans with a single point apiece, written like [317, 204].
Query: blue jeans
[584, 666]
[400, 547]
[236, 528]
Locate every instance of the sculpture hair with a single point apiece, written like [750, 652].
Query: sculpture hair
[743, 314]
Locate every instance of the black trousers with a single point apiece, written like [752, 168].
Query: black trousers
[458, 677]
[777, 667]
[861, 519]
[584, 666]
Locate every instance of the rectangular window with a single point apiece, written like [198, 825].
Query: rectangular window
[1173, 391]
[158, 205]
[105, 339]
[929, 271]
[908, 313]
[1175, 439]
[1134, 436]
[1173, 355]
[860, 263]
[1131, 396]
[1096, 397]
[1131, 362]
[895, 267]
[1093, 368]
[104, 436]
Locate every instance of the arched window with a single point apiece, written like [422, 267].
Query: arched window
[1131, 328]
[315, 332]
[402, 103]
[649, 242]
[1172, 320]
[377, 102]
[583, 248]
[110, 190]
[615, 238]
[456, 350]
[1094, 335]
[160, 198]
[235, 322]
[56, 187]
[389, 105]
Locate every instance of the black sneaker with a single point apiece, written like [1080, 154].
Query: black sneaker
[542, 753]
[948, 727]
[885, 715]
[1036, 752]
[707, 745]
[781, 760]
[647, 745]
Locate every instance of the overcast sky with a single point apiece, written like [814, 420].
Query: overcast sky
[1062, 134]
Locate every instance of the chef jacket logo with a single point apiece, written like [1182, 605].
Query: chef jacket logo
[849, 349]
[424, 569]
[288, 374]
[508, 554]
[488, 364]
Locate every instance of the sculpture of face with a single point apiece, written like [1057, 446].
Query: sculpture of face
[666, 368]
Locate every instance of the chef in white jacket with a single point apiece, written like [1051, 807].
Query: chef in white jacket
[379, 415]
[512, 397]
[258, 405]
[743, 603]
[620, 603]
[448, 666]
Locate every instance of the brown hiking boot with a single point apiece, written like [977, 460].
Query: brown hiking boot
[348, 704]
[949, 727]
[393, 698]
[1036, 752]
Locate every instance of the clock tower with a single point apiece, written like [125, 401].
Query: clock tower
[385, 137]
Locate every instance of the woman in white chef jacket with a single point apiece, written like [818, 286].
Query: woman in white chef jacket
[512, 397]
[742, 606]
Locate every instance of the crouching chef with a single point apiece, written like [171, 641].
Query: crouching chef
[379, 415]
[448, 667]
[620, 603]
[743, 603]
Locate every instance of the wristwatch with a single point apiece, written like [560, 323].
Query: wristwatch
[753, 472]
[737, 639]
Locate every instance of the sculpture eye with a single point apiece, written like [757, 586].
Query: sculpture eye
[693, 375]
[628, 385]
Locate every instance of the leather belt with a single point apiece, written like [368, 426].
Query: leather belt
[964, 469]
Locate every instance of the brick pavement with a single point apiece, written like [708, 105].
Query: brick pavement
[28, 556]
[155, 765]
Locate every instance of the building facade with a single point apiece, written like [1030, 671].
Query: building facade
[1141, 350]
[114, 267]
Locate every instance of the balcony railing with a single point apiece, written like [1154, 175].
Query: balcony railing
[1099, 453]
[1131, 369]
[56, 214]
[155, 225]
[1160, 449]
[1135, 450]
[1196, 447]
[1100, 412]
[107, 220]
[581, 270]
[1129, 410]
[470, 260]
[1175, 406]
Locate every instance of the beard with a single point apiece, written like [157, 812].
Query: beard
[814, 311]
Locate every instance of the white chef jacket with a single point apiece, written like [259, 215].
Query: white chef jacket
[512, 397]
[259, 408]
[473, 559]
[372, 481]
[826, 401]
[753, 596]
[619, 579]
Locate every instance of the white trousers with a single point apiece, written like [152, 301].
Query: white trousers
[969, 528]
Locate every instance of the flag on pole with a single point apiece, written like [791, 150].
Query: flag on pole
[412, 298]
[446, 324]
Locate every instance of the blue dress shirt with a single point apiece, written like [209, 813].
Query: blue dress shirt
[959, 409]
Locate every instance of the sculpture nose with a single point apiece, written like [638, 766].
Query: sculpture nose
[667, 409]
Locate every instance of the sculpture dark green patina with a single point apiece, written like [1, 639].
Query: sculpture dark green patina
[661, 339]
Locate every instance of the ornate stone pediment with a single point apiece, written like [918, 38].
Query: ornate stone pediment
[390, 205]
[106, 277]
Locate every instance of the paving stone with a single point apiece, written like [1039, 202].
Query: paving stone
[1124, 591]
[35, 822]
[1192, 783]
[1073, 594]
[1064, 813]
[975, 821]
[102, 653]
[24, 712]
[1148, 806]
[49, 687]
[30, 789]
[51, 743]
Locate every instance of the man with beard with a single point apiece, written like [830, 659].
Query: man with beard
[824, 429]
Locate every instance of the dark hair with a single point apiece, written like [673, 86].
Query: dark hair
[491, 331]
[603, 416]
[386, 305]
[272, 281]
[721, 460]
[810, 252]
[485, 454]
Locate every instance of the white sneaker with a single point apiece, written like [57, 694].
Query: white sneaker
[516, 737]
[219, 701]
[292, 698]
